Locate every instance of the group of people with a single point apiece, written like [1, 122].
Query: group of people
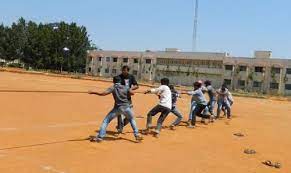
[124, 87]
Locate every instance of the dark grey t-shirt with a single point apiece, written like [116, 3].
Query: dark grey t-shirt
[211, 92]
[120, 94]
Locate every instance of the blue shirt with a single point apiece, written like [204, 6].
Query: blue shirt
[198, 96]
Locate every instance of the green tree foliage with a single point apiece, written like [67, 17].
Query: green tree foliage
[55, 46]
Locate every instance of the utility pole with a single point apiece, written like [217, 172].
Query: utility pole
[194, 41]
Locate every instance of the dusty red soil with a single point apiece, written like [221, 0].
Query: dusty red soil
[45, 132]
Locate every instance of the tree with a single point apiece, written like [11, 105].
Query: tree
[41, 46]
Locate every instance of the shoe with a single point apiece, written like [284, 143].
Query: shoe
[146, 131]
[156, 133]
[211, 119]
[138, 138]
[189, 122]
[190, 126]
[172, 127]
[96, 139]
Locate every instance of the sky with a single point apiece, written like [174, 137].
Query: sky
[235, 26]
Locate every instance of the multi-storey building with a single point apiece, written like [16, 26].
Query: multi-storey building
[260, 73]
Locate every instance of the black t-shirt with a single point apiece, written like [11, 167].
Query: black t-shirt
[128, 81]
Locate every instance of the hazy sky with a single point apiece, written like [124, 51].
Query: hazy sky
[235, 26]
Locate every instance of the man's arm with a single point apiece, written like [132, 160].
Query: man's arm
[104, 93]
[154, 91]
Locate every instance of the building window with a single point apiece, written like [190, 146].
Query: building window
[113, 71]
[107, 59]
[134, 72]
[287, 86]
[98, 70]
[114, 59]
[135, 60]
[259, 69]
[89, 69]
[274, 85]
[148, 61]
[276, 70]
[257, 84]
[227, 81]
[107, 70]
[229, 67]
[242, 68]
[125, 60]
[241, 83]
[288, 70]
[100, 58]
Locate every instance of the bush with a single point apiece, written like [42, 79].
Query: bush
[15, 65]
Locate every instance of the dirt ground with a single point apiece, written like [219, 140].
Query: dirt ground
[46, 132]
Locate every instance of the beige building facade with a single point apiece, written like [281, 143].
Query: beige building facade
[260, 73]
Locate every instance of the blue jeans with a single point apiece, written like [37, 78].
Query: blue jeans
[226, 105]
[210, 107]
[116, 111]
[176, 112]
[192, 107]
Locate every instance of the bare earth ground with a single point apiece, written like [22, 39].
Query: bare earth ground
[45, 132]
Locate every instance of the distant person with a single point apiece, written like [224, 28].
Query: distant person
[200, 101]
[129, 81]
[212, 97]
[223, 101]
[164, 106]
[122, 106]
[174, 110]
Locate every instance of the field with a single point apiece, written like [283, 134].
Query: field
[46, 132]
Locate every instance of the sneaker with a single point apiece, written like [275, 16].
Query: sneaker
[96, 139]
[211, 119]
[156, 133]
[190, 126]
[118, 130]
[203, 121]
[138, 138]
[172, 127]
[146, 131]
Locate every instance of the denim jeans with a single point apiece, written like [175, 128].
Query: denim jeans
[122, 121]
[176, 112]
[126, 111]
[226, 105]
[157, 109]
[198, 112]
[192, 107]
[210, 107]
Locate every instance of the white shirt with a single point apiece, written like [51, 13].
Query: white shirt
[165, 95]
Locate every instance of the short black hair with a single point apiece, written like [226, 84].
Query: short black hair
[172, 87]
[165, 81]
[116, 79]
[125, 67]
[207, 82]
[197, 84]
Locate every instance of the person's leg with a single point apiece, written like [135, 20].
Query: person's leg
[130, 117]
[176, 112]
[219, 107]
[228, 109]
[120, 123]
[192, 107]
[110, 116]
[197, 112]
[164, 113]
[125, 120]
[152, 113]
[211, 106]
